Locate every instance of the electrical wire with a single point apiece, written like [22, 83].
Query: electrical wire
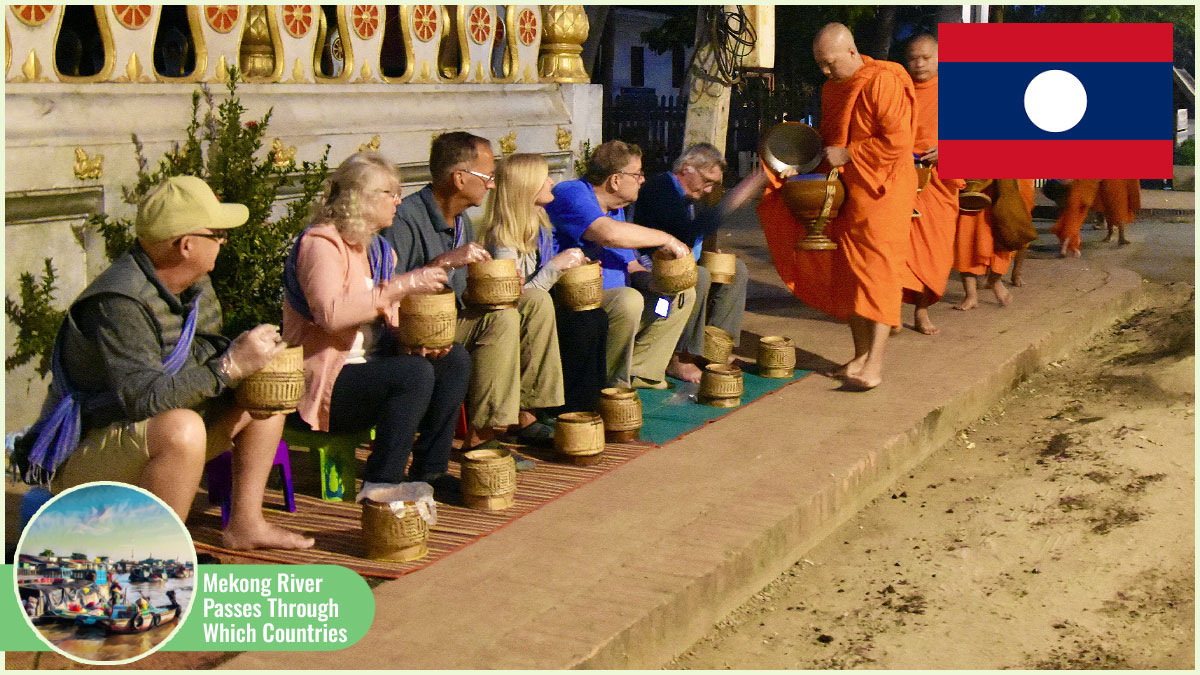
[731, 38]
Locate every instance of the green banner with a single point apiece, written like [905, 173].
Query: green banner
[245, 608]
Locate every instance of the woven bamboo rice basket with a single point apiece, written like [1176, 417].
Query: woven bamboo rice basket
[394, 538]
[489, 479]
[493, 284]
[718, 345]
[621, 410]
[581, 288]
[776, 356]
[721, 266]
[673, 275]
[721, 386]
[973, 198]
[579, 437]
[427, 320]
[277, 388]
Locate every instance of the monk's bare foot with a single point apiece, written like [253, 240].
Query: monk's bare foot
[1107, 239]
[262, 535]
[925, 326]
[1002, 294]
[1075, 253]
[1017, 281]
[862, 382]
[1123, 242]
[970, 302]
[897, 329]
[848, 369]
[681, 370]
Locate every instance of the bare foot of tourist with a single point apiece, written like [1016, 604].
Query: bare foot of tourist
[970, 302]
[262, 535]
[1002, 294]
[924, 325]
[897, 329]
[681, 370]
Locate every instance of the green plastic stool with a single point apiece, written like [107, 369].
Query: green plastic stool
[333, 457]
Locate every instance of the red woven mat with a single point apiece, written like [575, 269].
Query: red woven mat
[338, 531]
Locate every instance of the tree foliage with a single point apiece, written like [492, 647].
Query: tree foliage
[1182, 16]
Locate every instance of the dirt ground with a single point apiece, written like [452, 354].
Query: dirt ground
[1055, 532]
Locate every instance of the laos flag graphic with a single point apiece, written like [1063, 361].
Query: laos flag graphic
[1055, 100]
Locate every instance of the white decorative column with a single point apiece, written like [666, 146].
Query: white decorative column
[365, 36]
[133, 29]
[424, 25]
[298, 41]
[222, 27]
[477, 26]
[523, 36]
[31, 31]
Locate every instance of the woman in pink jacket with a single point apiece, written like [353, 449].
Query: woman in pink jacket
[341, 304]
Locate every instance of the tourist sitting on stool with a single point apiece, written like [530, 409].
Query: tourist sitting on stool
[516, 226]
[515, 367]
[342, 298]
[668, 202]
[590, 213]
[141, 355]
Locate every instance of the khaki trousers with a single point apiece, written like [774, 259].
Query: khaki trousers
[514, 359]
[720, 305]
[640, 343]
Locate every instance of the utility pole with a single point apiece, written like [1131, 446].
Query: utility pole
[707, 87]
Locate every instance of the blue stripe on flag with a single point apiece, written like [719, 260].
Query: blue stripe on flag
[986, 101]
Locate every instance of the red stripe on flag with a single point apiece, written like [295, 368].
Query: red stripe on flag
[1055, 42]
[1055, 159]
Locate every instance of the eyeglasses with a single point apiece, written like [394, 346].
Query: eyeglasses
[220, 238]
[394, 194]
[486, 178]
[638, 175]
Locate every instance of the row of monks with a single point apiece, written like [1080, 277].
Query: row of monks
[894, 243]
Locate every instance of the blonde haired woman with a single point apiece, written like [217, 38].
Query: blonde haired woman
[516, 226]
[341, 302]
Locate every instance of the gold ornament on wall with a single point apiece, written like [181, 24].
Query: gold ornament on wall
[562, 138]
[282, 155]
[33, 15]
[565, 27]
[88, 168]
[260, 51]
[508, 144]
[133, 71]
[372, 145]
[31, 71]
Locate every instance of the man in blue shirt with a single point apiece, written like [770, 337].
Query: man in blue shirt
[668, 202]
[589, 213]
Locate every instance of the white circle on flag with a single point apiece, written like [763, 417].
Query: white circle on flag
[1055, 100]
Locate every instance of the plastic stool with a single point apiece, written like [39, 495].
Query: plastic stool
[219, 478]
[31, 501]
[333, 455]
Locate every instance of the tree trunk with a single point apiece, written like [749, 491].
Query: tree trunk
[879, 42]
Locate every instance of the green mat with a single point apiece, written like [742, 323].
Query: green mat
[666, 415]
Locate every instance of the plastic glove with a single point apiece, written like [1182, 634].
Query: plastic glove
[462, 256]
[420, 280]
[572, 257]
[252, 350]
[676, 248]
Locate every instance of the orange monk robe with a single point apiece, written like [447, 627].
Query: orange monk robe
[1119, 199]
[1080, 196]
[974, 245]
[931, 239]
[871, 114]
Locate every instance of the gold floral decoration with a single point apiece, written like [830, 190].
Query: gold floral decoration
[562, 137]
[88, 168]
[508, 144]
[372, 145]
[282, 155]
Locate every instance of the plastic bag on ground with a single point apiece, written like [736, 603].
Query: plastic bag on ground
[395, 494]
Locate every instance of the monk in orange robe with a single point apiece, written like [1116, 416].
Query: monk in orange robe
[1081, 194]
[931, 239]
[868, 124]
[975, 253]
[1120, 200]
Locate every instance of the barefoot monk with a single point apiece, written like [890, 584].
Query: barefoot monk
[868, 122]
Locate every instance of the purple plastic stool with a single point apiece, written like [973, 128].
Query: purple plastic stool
[219, 474]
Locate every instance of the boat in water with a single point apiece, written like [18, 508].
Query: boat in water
[138, 617]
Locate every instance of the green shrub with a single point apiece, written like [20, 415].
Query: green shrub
[1185, 153]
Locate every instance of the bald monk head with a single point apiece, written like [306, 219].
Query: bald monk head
[922, 62]
[835, 52]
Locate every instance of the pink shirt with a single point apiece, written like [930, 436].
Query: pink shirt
[330, 272]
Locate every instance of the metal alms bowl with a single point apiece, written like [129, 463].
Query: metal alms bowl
[791, 144]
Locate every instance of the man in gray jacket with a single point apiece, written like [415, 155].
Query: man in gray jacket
[515, 366]
[141, 356]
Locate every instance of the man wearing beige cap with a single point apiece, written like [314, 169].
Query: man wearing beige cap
[142, 376]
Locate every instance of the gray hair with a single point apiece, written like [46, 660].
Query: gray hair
[700, 156]
[344, 201]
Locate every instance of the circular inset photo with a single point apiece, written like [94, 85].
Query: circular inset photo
[105, 573]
